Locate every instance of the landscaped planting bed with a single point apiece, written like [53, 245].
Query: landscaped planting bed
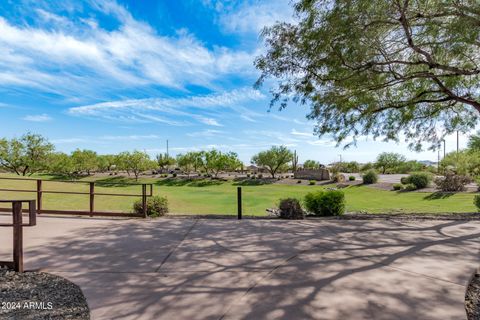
[37, 295]
[472, 298]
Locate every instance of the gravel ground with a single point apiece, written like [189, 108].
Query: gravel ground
[472, 298]
[38, 296]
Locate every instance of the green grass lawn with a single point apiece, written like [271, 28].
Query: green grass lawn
[213, 197]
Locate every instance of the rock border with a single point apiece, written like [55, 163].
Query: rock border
[472, 297]
[39, 295]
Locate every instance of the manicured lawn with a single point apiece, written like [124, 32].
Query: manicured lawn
[207, 197]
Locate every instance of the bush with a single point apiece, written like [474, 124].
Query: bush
[370, 177]
[156, 206]
[325, 203]
[312, 182]
[404, 180]
[419, 179]
[290, 208]
[351, 178]
[476, 201]
[398, 186]
[410, 187]
[299, 181]
[452, 182]
[260, 176]
[174, 175]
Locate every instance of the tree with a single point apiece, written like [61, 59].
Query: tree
[106, 162]
[381, 68]
[61, 164]
[274, 160]
[84, 161]
[136, 162]
[474, 142]
[26, 155]
[389, 160]
[121, 162]
[294, 161]
[311, 164]
[164, 161]
[186, 162]
[215, 161]
[465, 162]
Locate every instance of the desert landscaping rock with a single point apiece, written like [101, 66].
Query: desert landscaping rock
[472, 298]
[37, 295]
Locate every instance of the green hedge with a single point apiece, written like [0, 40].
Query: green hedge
[325, 203]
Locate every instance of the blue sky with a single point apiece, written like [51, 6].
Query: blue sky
[122, 75]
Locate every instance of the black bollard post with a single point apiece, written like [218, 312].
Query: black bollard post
[239, 202]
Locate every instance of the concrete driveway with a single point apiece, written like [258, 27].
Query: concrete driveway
[259, 269]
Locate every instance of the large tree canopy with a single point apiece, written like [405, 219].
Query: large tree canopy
[390, 69]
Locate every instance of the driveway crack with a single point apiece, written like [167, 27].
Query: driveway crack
[178, 245]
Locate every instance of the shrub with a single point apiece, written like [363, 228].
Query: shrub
[404, 180]
[351, 178]
[299, 181]
[419, 179]
[290, 208]
[325, 203]
[312, 182]
[410, 187]
[260, 176]
[248, 175]
[370, 177]
[156, 206]
[452, 182]
[174, 175]
[476, 201]
[398, 186]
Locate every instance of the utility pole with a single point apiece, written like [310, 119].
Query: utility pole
[457, 142]
[438, 161]
[444, 148]
[167, 149]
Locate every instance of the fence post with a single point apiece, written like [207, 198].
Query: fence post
[239, 202]
[17, 236]
[39, 196]
[92, 198]
[144, 200]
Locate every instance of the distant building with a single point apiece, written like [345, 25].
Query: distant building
[428, 163]
[312, 174]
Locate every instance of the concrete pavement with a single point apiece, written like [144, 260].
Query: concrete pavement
[259, 269]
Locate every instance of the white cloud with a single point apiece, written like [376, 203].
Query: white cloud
[209, 121]
[171, 111]
[303, 134]
[69, 57]
[37, 118]
[205, 133]
[253, 17]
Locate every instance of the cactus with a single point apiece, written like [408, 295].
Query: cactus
[294, 161]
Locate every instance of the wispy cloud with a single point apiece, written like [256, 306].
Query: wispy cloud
[104, 138]
[37, 118]
[251, 16]
[205, 133]
[172, 111]
[300, 133]
[71, 57]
